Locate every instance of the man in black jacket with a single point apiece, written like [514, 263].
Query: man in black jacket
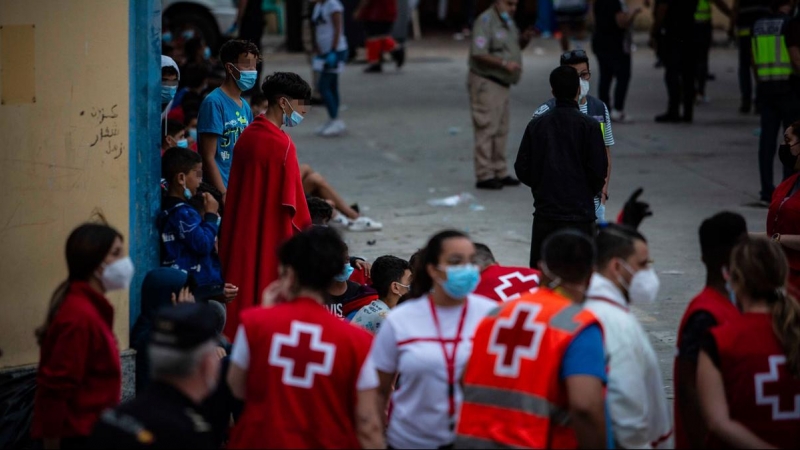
[562, 158]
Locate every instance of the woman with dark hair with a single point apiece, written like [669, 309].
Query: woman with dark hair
[266, 204]
[429, 340]
[783, 218]
[79, 372]
[304, 374]
[761, 345]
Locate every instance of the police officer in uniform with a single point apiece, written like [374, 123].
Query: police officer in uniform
[495, 63]
[703, 33]
[745, 14]
[775, 38]
[185, 367]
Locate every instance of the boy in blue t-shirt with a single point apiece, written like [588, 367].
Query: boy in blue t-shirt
[224, 114]
[188, 239]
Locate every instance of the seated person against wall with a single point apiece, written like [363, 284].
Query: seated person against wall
[320, 210]
[391, 278]
[173, 136]
[502, 283]
[348, 217]
[346, 297]
[188, 239]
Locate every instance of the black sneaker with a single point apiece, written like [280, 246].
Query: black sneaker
[492, 184]
[668, 118]
[509, 181]
[399, 56]
[374, 68]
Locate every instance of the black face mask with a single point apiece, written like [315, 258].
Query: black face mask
[786, 156]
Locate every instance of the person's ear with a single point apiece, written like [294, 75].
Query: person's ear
[171, 142]
[432, 272]
[182, 179]
[395, 288]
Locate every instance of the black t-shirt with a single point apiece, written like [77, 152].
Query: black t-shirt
[709, 345]
[792, 33]
[693, 334]
[607, 35]
[679, 19]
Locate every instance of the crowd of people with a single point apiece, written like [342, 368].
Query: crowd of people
[262, 329]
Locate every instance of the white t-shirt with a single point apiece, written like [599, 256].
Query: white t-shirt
[407, 343]
[322, 17]
[240, 355]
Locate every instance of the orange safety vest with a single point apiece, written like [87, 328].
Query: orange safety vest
[513, 392]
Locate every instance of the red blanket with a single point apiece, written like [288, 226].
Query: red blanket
[265, 206]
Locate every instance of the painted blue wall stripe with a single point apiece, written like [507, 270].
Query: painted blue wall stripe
[144, 59]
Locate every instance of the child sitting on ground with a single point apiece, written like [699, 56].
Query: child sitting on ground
[188, 240]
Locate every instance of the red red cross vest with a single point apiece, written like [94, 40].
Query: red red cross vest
[762, 395]
[513, 395]
[502, 284]
[301, 383]
[723, 311]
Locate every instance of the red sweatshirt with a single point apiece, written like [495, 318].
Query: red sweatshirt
[79, 370]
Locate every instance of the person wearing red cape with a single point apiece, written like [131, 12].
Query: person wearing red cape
[265, 203]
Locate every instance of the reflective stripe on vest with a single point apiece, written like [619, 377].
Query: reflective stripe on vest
[703, 12]
[770, 55]
[512, 393]
[518, 401]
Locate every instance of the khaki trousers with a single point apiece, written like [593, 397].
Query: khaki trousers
[489, 105]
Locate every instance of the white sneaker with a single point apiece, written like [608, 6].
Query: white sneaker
[620, 117]
[339, 221]
[365, 224]
[334, 128]
[322, 127]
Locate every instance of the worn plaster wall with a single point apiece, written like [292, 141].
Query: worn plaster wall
[64, 137]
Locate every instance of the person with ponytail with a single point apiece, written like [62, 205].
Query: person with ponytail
[748, 375]
[79, 372]
[429, 340]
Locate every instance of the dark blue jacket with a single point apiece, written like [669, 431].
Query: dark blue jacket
[187, 241]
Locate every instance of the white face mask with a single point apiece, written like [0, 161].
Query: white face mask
[584, 88]
[644, 285]
[117, 275]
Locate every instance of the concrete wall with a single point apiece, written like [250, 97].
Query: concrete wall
[64, 122]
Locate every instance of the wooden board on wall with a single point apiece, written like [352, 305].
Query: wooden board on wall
[17, 64]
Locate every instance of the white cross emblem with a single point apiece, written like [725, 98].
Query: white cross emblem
[513, 339]
[300, 358]
[775, 400]
[522, 281]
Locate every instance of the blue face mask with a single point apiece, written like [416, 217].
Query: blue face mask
[293, 120]
[247, 79]
[187, 193]
[168, 93]
[193, 134]
[461, 280]
[188, 34]
[345, 275]
[504, 15]
[182, 143]
[166, 37]
[207, 53]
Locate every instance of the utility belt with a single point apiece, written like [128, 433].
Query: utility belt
[494, 79]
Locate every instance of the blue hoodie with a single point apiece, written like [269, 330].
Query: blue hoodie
[187, 241]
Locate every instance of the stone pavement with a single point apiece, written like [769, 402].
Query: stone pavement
[410, 140]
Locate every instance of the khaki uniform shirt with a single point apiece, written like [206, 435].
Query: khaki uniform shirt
[493, 36]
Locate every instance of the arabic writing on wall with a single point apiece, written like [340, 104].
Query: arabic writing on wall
[106, 131]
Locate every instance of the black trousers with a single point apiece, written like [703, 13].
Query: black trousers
[614, 64]
[702, 35]
[679, 74]
[745, 71]
[543, 228]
